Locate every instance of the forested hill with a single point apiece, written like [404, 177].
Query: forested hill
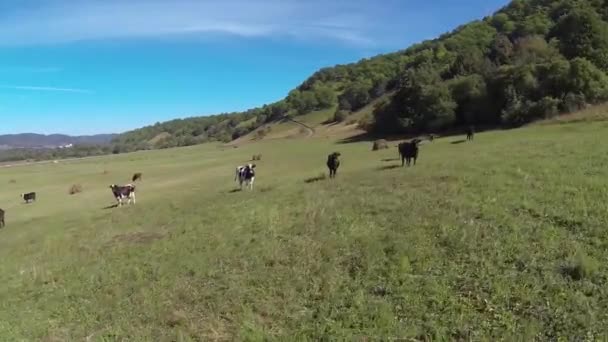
[531, 60]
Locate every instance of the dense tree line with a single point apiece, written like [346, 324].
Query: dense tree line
[78, 151]
[532, 60]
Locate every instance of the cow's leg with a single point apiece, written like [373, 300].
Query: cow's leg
[402, 161]
[251, 184]
[133, 194]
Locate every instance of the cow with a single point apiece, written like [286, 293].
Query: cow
[122, 192]
[2, 224]
[136, 177]
[470, 133]
[333, 163]
[29, 197]
[245, 174]
[408, 152]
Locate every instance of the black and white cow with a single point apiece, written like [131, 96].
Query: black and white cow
[245, 174]
[123, 192]
[29, 197]
[2, 224]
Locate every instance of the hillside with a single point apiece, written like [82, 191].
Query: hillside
[31, 140]
[530, 61]
[503, 238]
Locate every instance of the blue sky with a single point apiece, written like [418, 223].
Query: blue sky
[113, 65]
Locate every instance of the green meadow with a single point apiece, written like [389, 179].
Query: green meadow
[503, 238]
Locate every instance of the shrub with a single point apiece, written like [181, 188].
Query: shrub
[12, 181]
[75, 189]
[580, 266]
[261, 133]
[380, 145]
[573, 102]
[340, 116]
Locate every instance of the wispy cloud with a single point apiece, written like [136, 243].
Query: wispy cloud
[53, 89]
[28, 69]
[352, 22]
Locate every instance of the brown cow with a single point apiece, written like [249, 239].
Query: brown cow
[136, 177]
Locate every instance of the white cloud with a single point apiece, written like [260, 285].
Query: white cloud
[28, 70]
[54, 89]
[68, 21]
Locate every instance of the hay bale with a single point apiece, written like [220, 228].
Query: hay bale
[75, 189]
[380, 145]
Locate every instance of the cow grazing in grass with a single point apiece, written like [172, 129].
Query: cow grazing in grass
[245, 175]
[136, 177]
[2, 224]
[333, 163]
[408, 152]
[29, 197]
[470, 133]
[123, 192]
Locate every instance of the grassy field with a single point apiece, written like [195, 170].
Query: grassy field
[502, 238]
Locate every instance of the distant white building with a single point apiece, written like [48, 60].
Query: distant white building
[66, 146]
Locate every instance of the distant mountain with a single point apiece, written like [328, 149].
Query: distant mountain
[32, 140]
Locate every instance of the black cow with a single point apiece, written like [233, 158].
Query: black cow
[2, 224]
[29, 197]
[122, 192]
[136, 177]
[470, 133]
[408, 152]
[333, 163]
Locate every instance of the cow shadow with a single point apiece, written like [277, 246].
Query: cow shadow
[319, 178]
[234, 191]
[110, 207]
[456, 142]
[390, 159]
[389, 167]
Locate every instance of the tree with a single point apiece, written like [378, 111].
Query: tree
[355, 96]
[423, 102]
[470, 94]
[325, 95]
[583, 33]
[588, 80]
[502, 49]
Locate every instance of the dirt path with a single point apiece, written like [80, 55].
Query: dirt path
[310, 130]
